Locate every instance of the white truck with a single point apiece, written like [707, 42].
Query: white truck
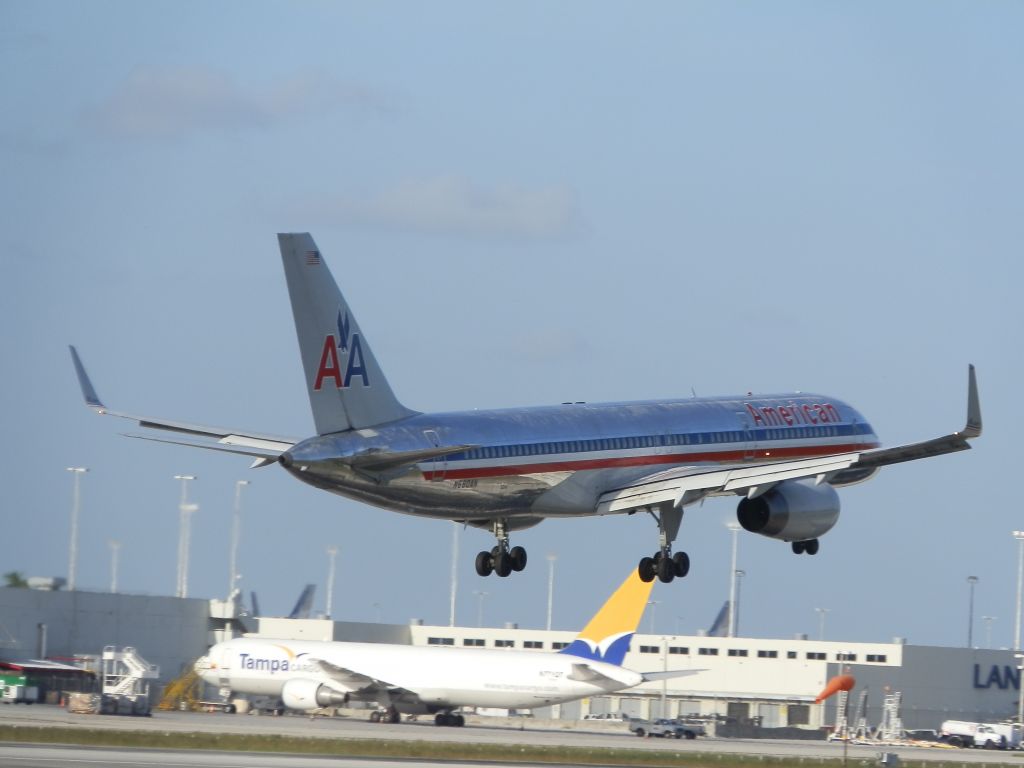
[961, 733]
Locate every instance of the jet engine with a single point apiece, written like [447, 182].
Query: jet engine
[310, 694]
[794, 510]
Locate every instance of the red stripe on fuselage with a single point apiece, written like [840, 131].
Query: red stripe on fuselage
[722, 457]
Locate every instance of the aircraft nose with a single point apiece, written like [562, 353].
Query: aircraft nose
[202, 665]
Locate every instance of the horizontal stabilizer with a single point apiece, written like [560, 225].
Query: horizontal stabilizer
[584, 673]
[669, 674]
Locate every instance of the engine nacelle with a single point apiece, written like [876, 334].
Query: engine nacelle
[311, 694]
[794, 510]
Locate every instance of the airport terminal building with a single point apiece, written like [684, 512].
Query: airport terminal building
[769, 682]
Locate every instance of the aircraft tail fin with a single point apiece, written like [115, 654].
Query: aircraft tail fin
[347, 389]
[720, 626]
[304, 604]
[606, 638]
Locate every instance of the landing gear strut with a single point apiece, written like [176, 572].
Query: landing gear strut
[663, 564]
[501, 559]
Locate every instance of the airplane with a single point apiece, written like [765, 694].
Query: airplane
[505, 470]
[438, 680]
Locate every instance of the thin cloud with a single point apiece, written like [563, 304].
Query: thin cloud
[171, 104]
[453, 205]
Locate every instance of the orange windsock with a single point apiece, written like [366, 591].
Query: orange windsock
[837, 683]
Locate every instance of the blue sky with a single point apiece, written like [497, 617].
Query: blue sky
[524, 204]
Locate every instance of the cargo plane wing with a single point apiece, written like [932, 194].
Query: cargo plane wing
[783, 455]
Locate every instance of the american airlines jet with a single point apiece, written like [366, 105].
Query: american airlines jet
[503, 470]
[437, 680]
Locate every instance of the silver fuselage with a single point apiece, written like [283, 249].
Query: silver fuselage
[530, 463]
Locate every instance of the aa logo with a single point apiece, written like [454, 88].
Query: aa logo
[330, 364]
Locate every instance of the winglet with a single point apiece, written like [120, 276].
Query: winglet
[973, 427]
[88, 391]
[606, 638]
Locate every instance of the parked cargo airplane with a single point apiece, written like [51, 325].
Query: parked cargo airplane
[508, 469]
[437, 680]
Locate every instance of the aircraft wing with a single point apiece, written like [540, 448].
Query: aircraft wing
[686, 485]
[355, 682]
[265, 448]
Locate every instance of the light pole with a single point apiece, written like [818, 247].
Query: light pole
[551, 586]
[988, 629]
[971, 581]
[115, 548]
[740, 573]
[187, 510]
[236, 533]
[76, 500]
[821, 621]
[1020, 688]
[653, 605]
[455, 573]
[332, 552]
[1019, 536]
[480, 594]
[182, 531]
[734, 527]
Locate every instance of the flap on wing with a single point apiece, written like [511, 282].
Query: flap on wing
[686, 486]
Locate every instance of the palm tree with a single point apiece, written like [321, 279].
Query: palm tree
[15, 579]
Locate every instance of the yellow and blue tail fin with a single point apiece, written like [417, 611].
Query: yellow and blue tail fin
[607, 636]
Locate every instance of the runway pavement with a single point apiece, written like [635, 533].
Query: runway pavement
[509, 732]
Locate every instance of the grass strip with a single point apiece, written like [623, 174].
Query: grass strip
[371, 747]
[503, 753]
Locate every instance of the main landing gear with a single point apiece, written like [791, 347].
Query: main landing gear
[663, 564]
[809, 547]
[501, 560]
[449, 719]
[389, 715]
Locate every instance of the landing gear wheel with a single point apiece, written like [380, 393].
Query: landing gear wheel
[811, 547]
[391, 716]
[442, 719]
[503, 564]
[666, 569]
[484, 564]
[517, 556]
[458, 721]
[375, 717]
[645, 570]
[681, 561]
[798, 547]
